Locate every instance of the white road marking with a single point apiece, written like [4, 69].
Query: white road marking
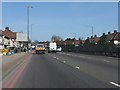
[106, 61]
[81, 56]
[57, 58]
[77, 67]
[115, 84]
[64, 61]
[109, 57]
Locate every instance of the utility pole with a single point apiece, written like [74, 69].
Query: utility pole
[92, 31]
[31, 31]
[28, 23]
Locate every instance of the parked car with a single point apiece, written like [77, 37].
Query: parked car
[59, 49]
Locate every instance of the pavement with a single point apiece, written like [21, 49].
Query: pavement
[6, 59]
[11, 61]
[63, 70]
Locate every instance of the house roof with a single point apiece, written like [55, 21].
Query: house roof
[69, 41]
[79, 41]
[110, 36]
[117, 36]
[9, 34]
[113, 36]
[92, 40]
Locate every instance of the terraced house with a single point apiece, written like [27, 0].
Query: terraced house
[1, 39]
[7, 38]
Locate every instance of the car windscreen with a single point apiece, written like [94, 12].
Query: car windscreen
[40, 45]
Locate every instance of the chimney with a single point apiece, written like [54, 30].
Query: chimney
[108, 32]
[115, 31]
[6, 28]
[103, 34]
[91, 36]
[95, 36]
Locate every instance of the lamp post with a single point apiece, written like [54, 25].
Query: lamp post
[31, 32]
[28, 22]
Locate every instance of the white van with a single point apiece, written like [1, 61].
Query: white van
[52, 47]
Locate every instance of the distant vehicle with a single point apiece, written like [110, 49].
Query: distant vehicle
[40, 48]
[59, 49]
[32, 49]
[52, 47]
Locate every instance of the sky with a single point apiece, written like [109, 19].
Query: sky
[65, 19]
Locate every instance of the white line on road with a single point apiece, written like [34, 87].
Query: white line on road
[81, 56]
[77, 67]
[106, 61]
[64, 61]
[115, 84]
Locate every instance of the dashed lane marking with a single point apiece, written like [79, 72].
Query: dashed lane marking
[81, 56]
[106, 61]
[54, 57]
[77, 67]
[64, 61]
[113, 83]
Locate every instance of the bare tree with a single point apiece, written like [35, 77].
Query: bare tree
[55, 38]
[36, 41]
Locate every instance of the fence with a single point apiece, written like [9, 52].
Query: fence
[108, 50]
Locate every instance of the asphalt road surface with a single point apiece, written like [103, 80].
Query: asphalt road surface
[64, 70]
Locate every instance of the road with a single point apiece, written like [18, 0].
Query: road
[64, 70]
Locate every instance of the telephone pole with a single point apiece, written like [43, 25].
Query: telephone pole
[92, 31]
[28, 23]
[31, 31]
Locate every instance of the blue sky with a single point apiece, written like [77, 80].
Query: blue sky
[61, 18]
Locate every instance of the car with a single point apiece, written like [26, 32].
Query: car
[59, 49]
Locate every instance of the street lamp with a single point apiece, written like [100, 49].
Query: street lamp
[28, 21]
[31, 31]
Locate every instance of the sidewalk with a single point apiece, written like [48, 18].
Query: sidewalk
[6, 59]
[10, 62]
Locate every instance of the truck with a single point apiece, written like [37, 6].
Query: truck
[40, 48]
[52, 47]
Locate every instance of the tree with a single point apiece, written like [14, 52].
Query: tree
[55, 38]
[73, 39]
[79, 38]
[68, 39]
[36, 41]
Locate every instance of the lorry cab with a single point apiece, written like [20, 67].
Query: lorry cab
[40, 48]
